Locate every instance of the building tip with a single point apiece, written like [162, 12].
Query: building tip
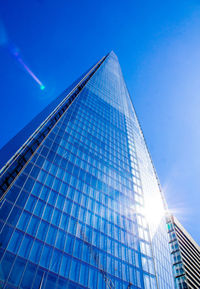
[112, 53]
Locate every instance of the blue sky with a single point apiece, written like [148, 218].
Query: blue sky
[158, 46]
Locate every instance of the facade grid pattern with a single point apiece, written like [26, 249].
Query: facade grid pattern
[73, 216]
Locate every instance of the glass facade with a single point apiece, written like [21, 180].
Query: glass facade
[78, 212]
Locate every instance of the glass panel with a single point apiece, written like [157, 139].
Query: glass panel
[28, 276]
[26, 246]
[46, 256]
[15, 241]
[17, 271]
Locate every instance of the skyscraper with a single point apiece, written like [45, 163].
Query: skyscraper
[81, 205]
[185, 255]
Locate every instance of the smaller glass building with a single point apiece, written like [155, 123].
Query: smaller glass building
[185, 255]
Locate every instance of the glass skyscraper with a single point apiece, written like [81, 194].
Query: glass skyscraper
[81, 205]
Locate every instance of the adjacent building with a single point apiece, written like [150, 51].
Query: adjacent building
[185, 255]
[81, 205]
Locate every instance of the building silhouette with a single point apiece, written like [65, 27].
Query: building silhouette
[185, 255]
[81, 205]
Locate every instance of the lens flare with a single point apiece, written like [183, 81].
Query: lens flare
[154, 211]
[15, 52]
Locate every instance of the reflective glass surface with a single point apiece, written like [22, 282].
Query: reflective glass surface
[76, 216]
